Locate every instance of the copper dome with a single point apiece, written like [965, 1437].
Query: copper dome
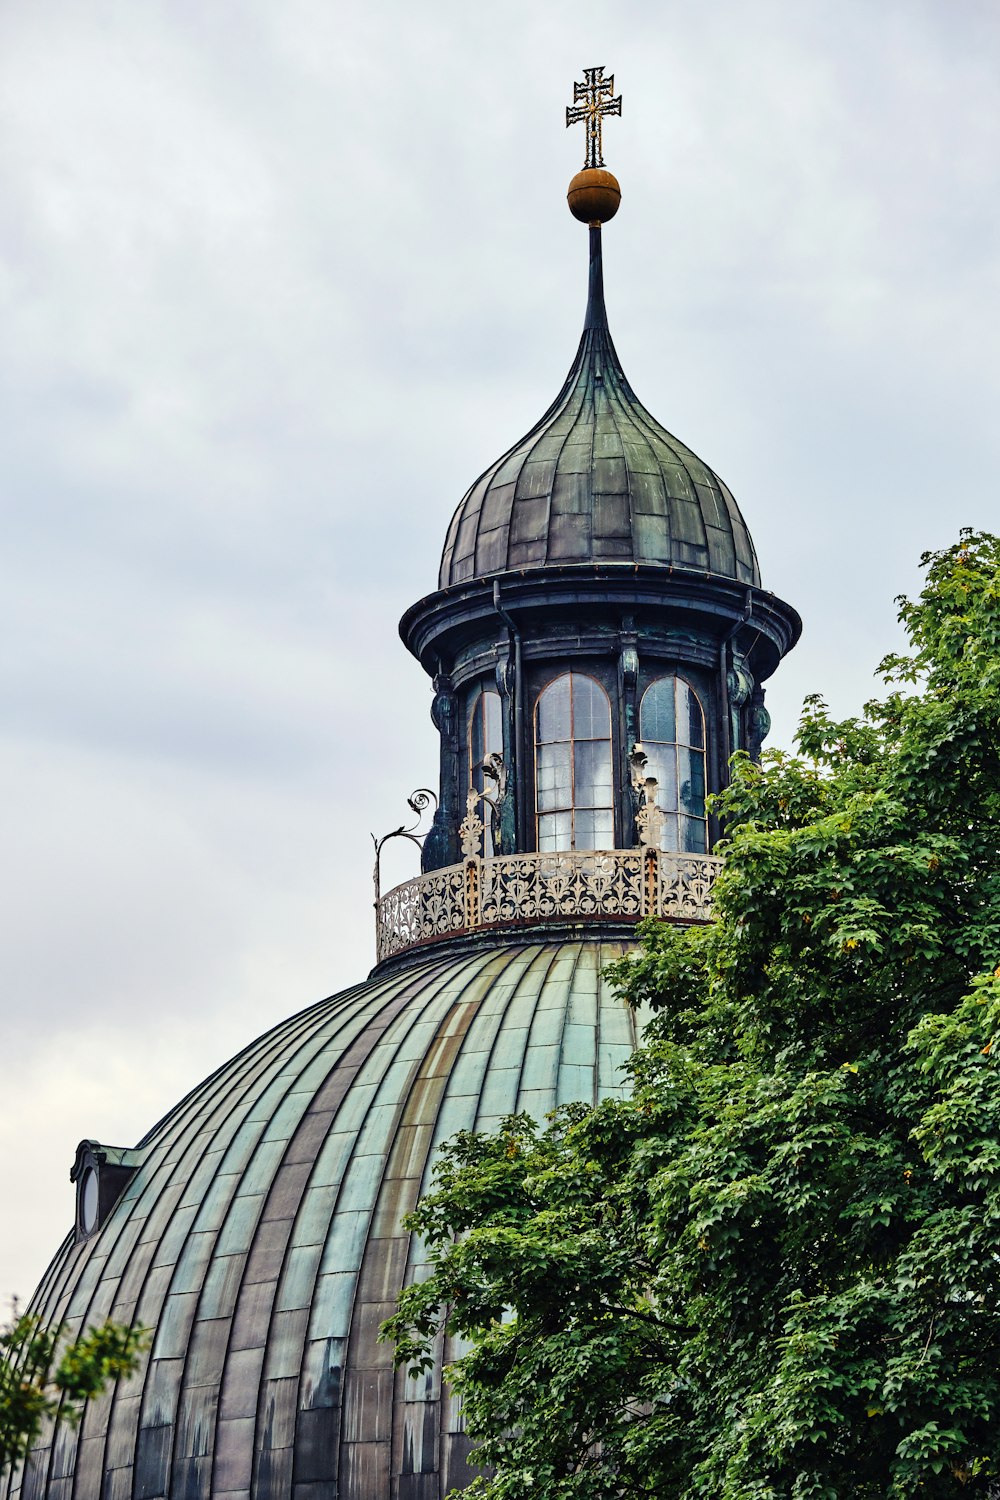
[260, 1235]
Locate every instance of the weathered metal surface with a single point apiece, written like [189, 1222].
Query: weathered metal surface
[598, 479]
[260, 1235]
[519, 889]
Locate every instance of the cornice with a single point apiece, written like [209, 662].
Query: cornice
[444, 622]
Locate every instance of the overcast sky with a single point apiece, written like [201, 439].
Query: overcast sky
[277, 281]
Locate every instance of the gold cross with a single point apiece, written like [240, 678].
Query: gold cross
[596, 92]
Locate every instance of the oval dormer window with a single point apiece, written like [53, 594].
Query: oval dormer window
[101, 1174]
[88, 1201]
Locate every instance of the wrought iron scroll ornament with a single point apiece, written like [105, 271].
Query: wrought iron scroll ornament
[596, 95]
[418, 802]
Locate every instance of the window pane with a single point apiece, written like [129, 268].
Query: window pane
[693, 832]
[669, 833]
[591, 709]
[485, 738]
[656, 716]
[691, 779]
[603, 836]
[672, 731]
[555, 831]
[662, 764]
[573, 772]
[583, 830]
[592, 766]
[689, 716]
[493, 737]
[553, 711]
[554, 780]
[476, 735]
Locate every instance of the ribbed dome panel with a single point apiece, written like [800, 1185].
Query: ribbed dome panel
[597, 480]
[260, 1238]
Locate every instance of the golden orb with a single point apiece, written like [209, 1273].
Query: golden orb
[594, 196]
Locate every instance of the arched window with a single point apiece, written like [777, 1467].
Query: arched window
[672, 731]
[485, 738]
[573, 784]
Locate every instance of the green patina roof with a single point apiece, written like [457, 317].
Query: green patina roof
[260, 1235]
[597, 480]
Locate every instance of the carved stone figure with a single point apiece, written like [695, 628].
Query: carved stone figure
[758, 724]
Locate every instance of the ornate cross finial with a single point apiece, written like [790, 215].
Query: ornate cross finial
[596, 92]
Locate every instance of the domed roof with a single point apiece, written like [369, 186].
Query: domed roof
[260, 1237]
[598, 480]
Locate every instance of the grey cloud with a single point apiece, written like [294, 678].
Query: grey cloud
[276, 284]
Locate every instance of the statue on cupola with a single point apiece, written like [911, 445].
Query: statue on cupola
[598, 590]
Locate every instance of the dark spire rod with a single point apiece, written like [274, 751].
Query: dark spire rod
[597, 316]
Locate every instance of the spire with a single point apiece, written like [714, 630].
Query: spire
[597, 316]
[597, 480]
[594, 194]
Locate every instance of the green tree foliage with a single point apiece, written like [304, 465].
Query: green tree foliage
[43, 1376]
[773, 1271]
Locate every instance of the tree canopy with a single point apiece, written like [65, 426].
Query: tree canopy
[772, 1271]
[44, 1375]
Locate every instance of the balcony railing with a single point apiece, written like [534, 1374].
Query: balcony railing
[529, 888]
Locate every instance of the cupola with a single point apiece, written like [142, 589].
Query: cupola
[598, 645]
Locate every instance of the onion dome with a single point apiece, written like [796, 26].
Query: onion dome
[598, 480]
[259, 1235]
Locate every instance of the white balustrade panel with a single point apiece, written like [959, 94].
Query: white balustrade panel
[427, 907]
[572, 883]
[686, 882]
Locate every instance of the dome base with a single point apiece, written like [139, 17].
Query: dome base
[261, 1238]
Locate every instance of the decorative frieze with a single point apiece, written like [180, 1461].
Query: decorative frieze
[521, 889]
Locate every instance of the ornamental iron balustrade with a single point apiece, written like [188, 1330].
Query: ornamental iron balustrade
[529, 888]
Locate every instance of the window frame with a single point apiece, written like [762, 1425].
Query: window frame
[474, 774]
[675, 818]
[608, 739]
